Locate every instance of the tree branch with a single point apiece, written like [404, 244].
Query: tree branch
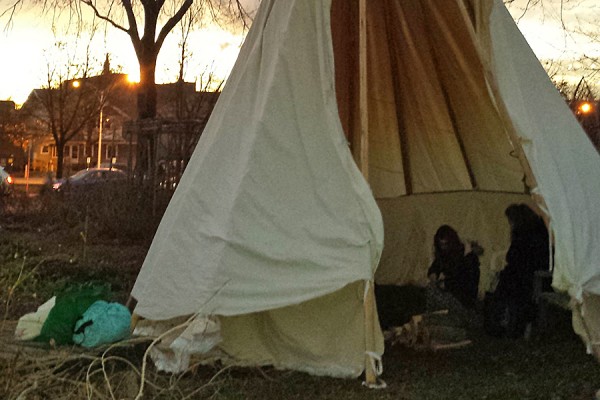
[131, 31]
[174, 20]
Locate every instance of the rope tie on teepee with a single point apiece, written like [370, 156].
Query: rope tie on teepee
[376, 363]
[542, 207]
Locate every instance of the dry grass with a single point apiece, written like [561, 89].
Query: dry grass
[113, 372]
[37, 259]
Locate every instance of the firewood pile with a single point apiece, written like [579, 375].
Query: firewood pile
[431, 331]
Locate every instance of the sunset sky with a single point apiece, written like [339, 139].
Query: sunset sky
[26, 44]
[23, 46]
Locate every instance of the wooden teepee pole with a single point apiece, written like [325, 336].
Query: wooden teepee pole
[530, 179]
[363, 155]
[363, 164]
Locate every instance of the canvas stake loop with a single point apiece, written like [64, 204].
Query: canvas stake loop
[376, 366]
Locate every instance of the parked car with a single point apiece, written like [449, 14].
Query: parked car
[6, 182]
[91, 178]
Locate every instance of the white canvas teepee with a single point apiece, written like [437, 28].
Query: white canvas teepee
[276, 235]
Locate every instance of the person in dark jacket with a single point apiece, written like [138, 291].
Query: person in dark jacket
[454, 271]
[511, 307]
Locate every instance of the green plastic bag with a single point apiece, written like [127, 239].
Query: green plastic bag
[70, 305]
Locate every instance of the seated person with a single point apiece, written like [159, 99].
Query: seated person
[511, 308]
[454, 271]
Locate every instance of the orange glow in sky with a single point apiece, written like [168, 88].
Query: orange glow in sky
[27, 45]
[214, 50]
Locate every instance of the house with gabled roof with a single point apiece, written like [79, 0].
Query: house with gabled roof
[182, 113]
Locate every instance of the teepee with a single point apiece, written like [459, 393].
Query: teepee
[342, 121]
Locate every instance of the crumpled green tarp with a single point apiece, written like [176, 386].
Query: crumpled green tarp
[70, 305]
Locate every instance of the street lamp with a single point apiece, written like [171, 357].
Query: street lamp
[100, 124]
[77, 84]
[585, 107]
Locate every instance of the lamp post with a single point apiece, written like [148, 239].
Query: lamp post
[100, 124]
[77, 84]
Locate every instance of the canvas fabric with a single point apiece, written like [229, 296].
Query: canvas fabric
[411, 222]
[562, 158]
[272, 218]
[317, 336]
[433, 126]
[272, 211]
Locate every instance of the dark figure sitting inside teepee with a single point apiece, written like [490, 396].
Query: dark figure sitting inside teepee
[511, 308]
[454, 271]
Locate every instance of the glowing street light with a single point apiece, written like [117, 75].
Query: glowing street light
[585, 107]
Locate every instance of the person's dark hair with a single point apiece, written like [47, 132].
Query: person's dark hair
[523, 219]
[447, 243]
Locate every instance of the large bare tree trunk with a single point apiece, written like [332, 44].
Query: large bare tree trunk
[147, 87]
[60, 159]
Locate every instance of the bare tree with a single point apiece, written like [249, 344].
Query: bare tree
[192, 109]
[188, 108]
[60, 107]
[13, 134]
[12, 126]
[127, 16]
[528, 5]
[147, 23]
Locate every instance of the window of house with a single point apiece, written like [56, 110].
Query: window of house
[53, 150]
[45, 149]
[75, 151]
[111, 151]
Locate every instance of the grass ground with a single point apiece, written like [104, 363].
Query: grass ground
[37, 258]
